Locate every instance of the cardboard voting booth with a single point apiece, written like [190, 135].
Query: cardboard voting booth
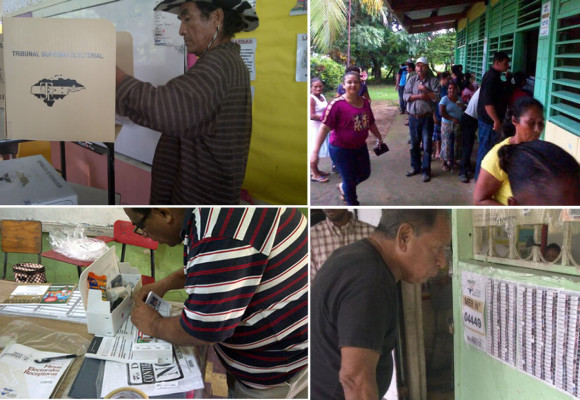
[100, 319]
[60, 79]
[125, 62]
[33, 180]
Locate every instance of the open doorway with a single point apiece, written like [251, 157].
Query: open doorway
[529, 55]
[437, 301]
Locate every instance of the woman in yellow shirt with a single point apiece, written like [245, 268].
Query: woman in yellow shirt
[493, 186]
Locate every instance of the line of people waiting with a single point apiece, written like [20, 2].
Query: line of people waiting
[445, 112]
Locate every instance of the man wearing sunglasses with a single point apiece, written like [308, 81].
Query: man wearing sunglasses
[246, 275]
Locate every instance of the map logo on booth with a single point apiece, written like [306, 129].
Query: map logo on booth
[50, 90]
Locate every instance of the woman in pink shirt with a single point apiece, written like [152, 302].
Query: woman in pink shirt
[349, 118]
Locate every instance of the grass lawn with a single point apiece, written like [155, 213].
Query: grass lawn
[381, 91]
[384, 92]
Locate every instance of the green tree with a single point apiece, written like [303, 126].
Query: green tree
[377, 40]
[440, 50]
[328, 19]
[328, 70]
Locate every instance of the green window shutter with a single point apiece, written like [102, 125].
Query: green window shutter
[492, 48]
[461, 38]
[495, 21]
[460, 45]
[474, 47]
[503, 17]
[461, 56]
[569, 8]
[565, 95]
[529, 13]
[508, 16]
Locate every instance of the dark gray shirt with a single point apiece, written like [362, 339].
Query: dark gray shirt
[354, 303]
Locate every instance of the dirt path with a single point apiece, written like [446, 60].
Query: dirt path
[388, 184]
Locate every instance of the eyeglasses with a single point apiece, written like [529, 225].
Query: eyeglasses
[139, 225]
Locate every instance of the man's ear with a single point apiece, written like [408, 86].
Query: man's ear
[404, 235]
[165, 213]
[217, 17]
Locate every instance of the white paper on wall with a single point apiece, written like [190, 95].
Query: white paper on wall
[473, 292]
[248, 53]
[302, 58]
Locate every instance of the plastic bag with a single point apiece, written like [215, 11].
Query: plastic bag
[74, 244]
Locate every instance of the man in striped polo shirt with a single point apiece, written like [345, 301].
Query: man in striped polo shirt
[246, 275]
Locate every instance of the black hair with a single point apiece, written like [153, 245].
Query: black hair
[353, 72]
[232, 20]
[412, 65]
[353, 68]
[457, 86]
[467, 77]
[423, 219]
[522, 105]
[143, 211]
[533, 166]
[500, 56]
[445, 74]
[519, 79]
[456, 69]
[553, 246]
[315, 79]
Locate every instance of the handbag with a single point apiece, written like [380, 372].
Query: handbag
[29, 273]
[381, 148]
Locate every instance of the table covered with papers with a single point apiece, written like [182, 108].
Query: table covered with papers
[94, 378]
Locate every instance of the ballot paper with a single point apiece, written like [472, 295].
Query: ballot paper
[182, 375]
[129, 345]
[22, 378]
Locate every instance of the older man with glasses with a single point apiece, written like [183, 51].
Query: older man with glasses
[246, 276]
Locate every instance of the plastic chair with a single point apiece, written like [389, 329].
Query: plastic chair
[123, 233]
[53, 255]
[80, 264]
[23, 237]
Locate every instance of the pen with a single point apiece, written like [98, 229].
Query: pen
[48, 359]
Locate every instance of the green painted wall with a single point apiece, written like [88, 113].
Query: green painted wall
[167, 260]
[478, 376]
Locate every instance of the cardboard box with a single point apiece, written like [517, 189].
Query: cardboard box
[100, 319]
[33, 180]
[60, 79]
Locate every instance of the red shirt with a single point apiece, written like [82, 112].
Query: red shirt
[516, 94]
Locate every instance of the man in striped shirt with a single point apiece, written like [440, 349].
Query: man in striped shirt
[204, 115]
[246, 276]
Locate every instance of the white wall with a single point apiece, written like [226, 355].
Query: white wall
[97, 220]
[370, 215]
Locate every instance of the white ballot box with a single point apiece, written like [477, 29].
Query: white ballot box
[60, 79]
[33, 180]
[100, 319]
